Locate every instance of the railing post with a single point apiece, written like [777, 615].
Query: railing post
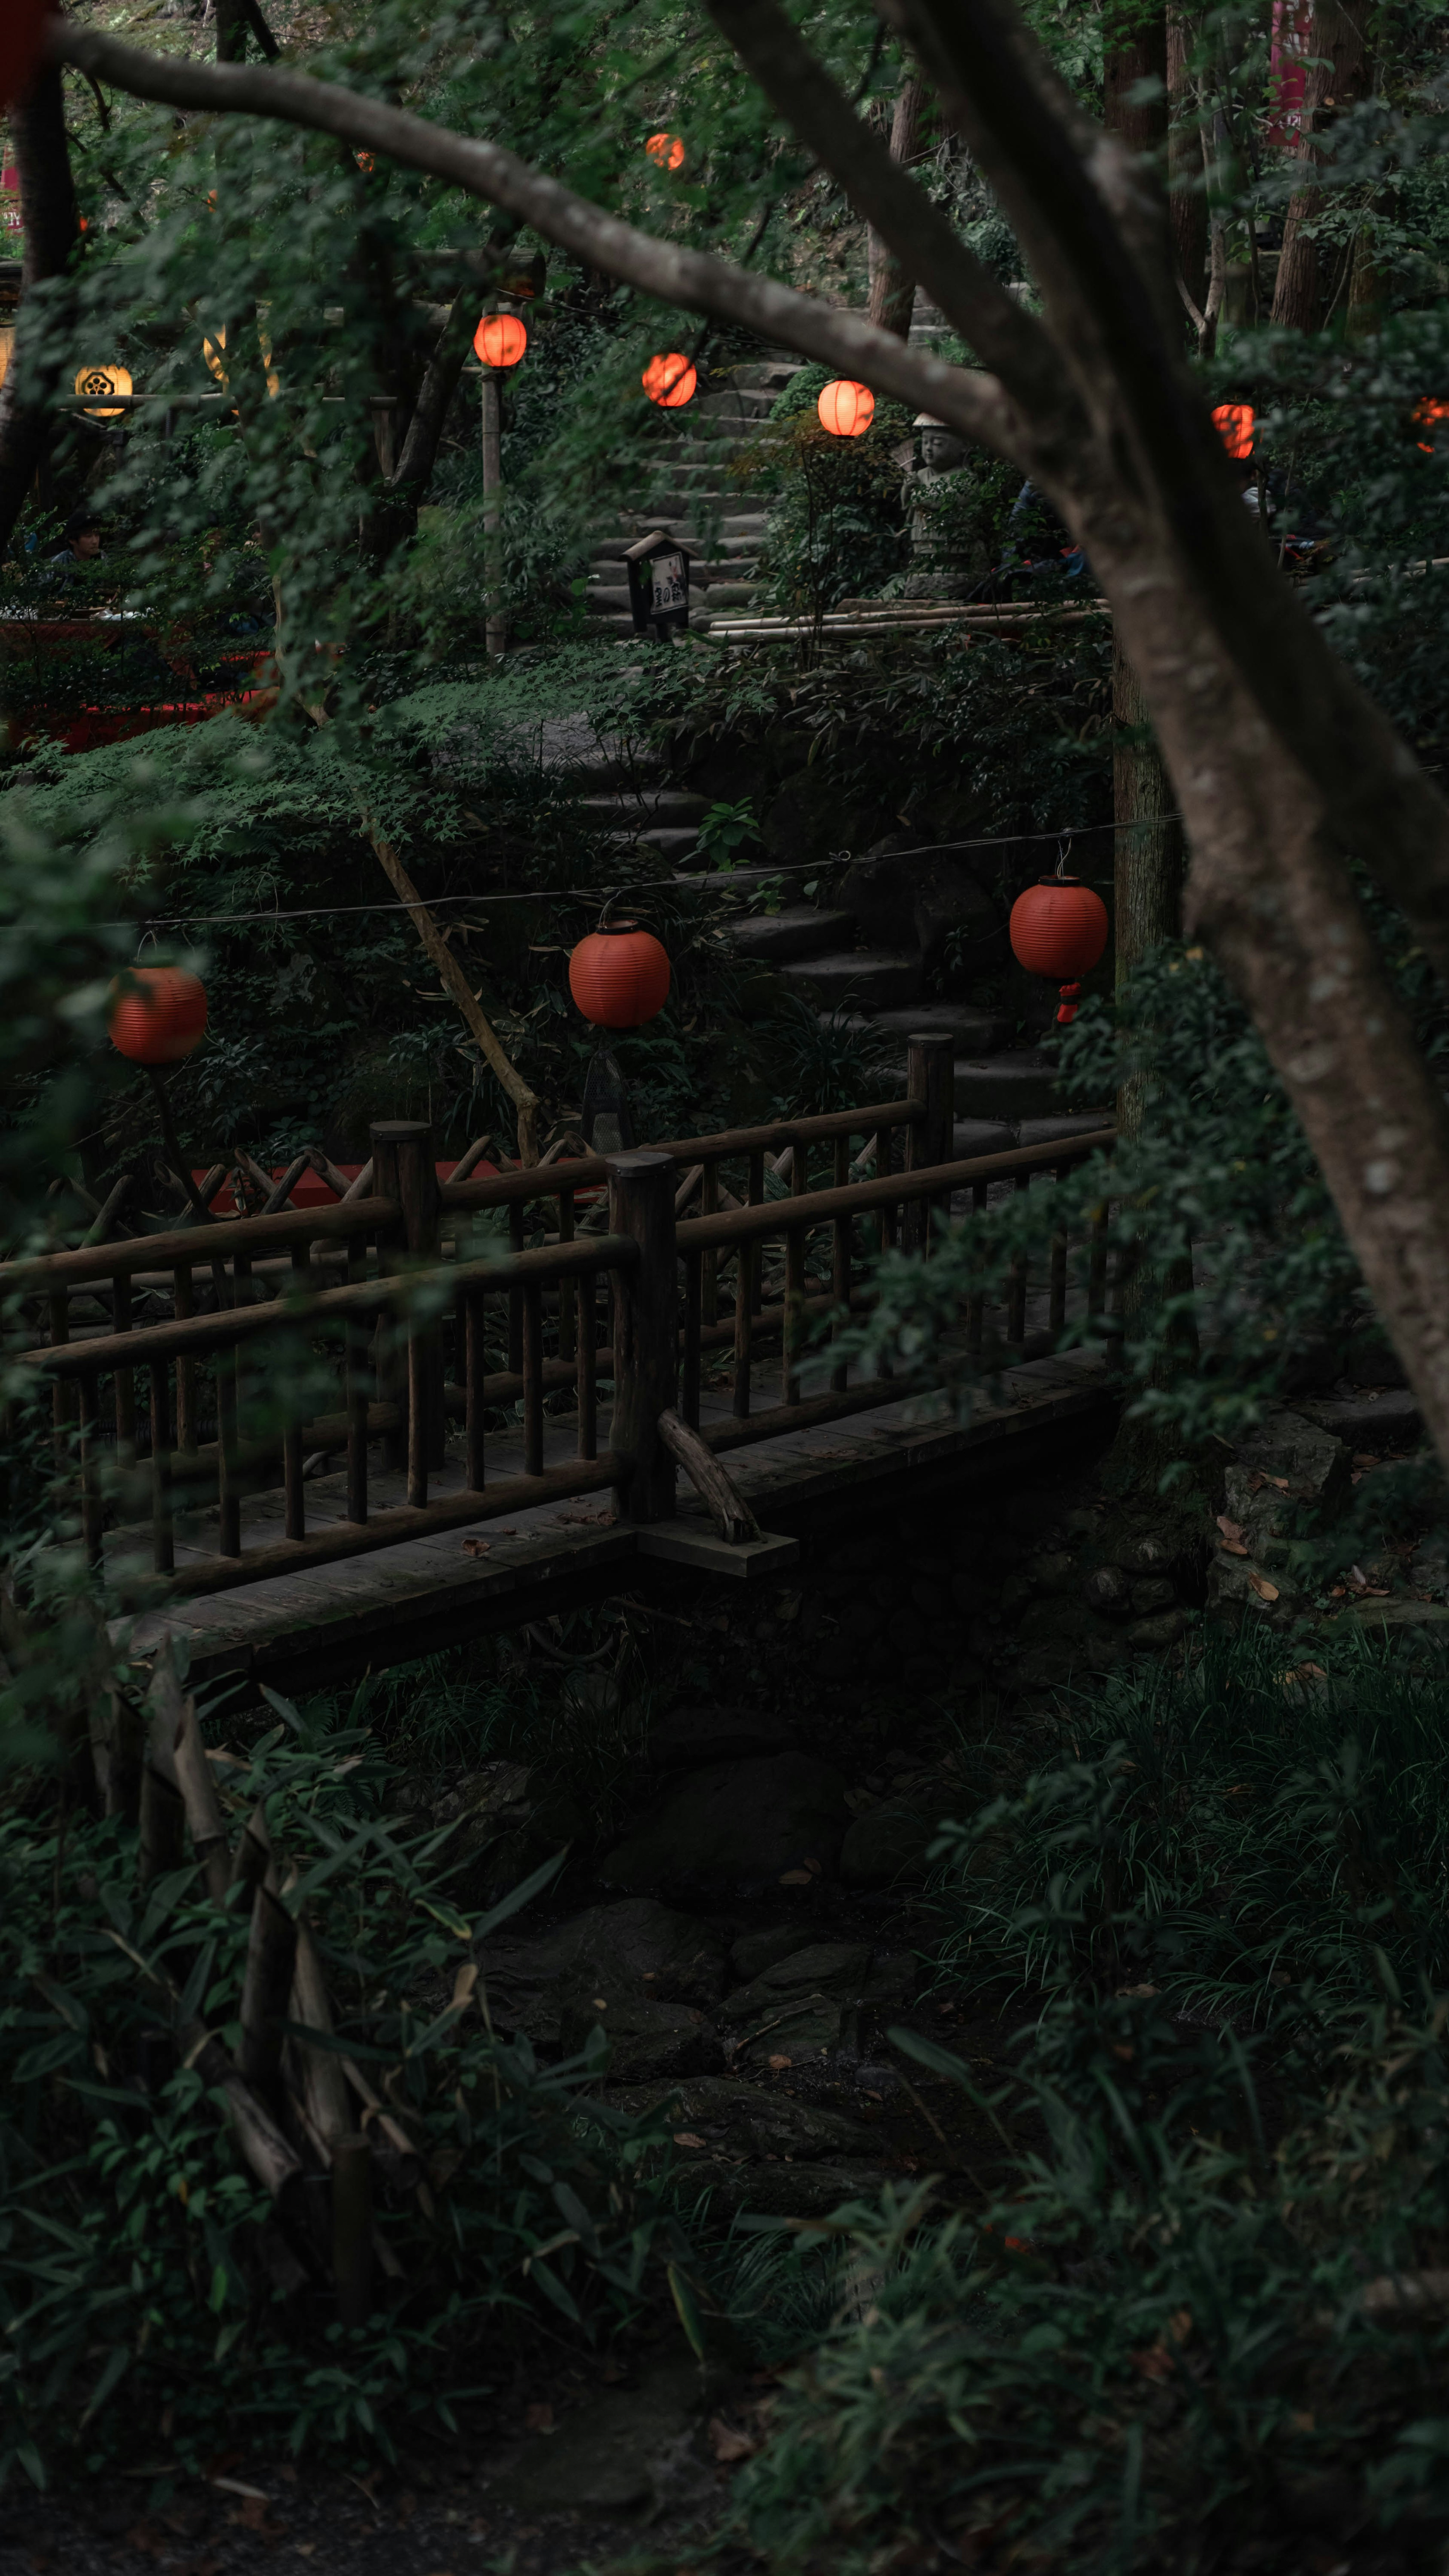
[931, 1082]
[646, 1331]
[405, 1171]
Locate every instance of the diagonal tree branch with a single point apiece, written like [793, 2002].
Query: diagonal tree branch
[927, 245]
[974, 404]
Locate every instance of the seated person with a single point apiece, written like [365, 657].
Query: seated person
[82, 533]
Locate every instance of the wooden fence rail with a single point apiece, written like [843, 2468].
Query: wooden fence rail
[524, 1330]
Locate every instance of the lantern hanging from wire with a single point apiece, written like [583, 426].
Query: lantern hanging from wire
[102, 380]
[157, 1014]
[1430, 415]
[1058, 929]
[846, 409]
[670, 381]
[619, 977]
[500, 339]
[1234, 423]
[667, 150]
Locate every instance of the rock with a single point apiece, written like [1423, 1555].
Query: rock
[1153, 1593]
[1106, 1590]
[689, 1739]
[634, 1948]
[625, 2450]
[918, 903]
[733, 2118]
[1316, 1464]
[737, 1824]
[971, 1594]
[756, 1951]
[1429, 1564]
[885, 1843]
[508, 1822]
[1056, 1572]
[1375, 1422]
[1231, 1585]
[646, 2039]
[1163, 1630]
[799, 2028]
[834, 1967]
[1144, 1554]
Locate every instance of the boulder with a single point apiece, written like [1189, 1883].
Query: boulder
[826, 1967]
[639, 2450]
[886, 1843]
[637, 1948]
[646, 2039]
[1316, 1464]
[797, 2028]
[737, 1825]
[795, 2191]
[1108, 1591]
[508, 1822]
[931, 904]
[736, 2119]
[756, 1951]
[690, 1739]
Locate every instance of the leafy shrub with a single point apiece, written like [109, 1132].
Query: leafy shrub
[150, 2289]
[1202, 2315]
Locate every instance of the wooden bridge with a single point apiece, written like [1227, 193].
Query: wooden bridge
[375, 1428]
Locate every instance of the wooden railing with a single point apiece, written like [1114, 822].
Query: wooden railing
[426, 1328]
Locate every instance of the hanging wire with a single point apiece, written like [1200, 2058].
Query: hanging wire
[653, 885]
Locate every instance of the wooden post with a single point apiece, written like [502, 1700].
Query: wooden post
[930, 1080]
[495, 632]
[352, 2228]
[646, 1331]
[404, 1170]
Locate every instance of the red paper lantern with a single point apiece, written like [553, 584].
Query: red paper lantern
[1059, 929]
[846, 409]
[667, 150]
[670, 381]
[20, 25]
[159, 1015]
[500, 339]
[1234, 425]
[1429, 415]
[619, 977]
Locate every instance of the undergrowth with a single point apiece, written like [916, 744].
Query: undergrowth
[1201, 2321]
[153, 2296]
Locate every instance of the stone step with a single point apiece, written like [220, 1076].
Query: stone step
[973, 1032]
[1016, 1085]
[651, 804]
[861, 978]
[731, 594]
[797, 930]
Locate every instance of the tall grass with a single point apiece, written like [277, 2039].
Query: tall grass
[1202, 2320]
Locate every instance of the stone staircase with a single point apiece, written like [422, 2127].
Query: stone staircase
[691, 496]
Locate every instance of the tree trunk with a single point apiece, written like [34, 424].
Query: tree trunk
[1187, 203]
[231, 31]
[892, 287]
[1338, 75]
[52, 229]
[1147, 860]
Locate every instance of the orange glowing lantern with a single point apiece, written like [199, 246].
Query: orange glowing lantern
[1429, 414]
[667, 150]
[102, 380]
[500, 339]
[670, 381]
[619, 976]
[1234, 425]
[1058, 928]
[158, 1015]
[846, 409]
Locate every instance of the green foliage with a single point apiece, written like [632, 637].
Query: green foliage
[1175, 2336]
[836, 525]
[828, 1060]
[150, 2291]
